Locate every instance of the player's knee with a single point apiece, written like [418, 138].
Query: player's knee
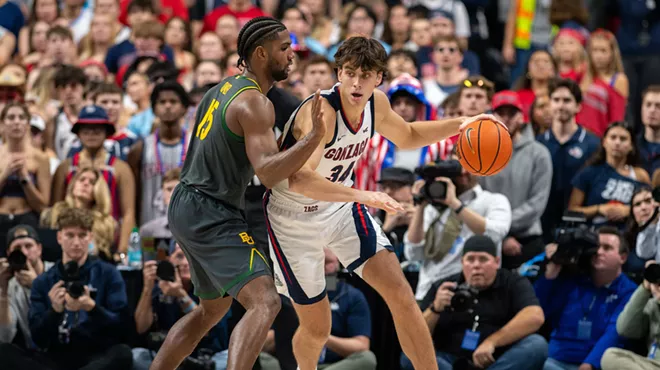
[269, 304]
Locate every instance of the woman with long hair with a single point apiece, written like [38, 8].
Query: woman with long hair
[98, 41]
[540, 70]
[178, 36]
[540, 116]
[397, 27]
[88, 190]
[568, 49]
[24, 171]
[37, 42]
[643, 230]
[46, 11]
[603, 190]
[604, 86]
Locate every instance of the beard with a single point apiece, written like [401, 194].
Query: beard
[278, 73]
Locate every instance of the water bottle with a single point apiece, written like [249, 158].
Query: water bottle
[134, 250]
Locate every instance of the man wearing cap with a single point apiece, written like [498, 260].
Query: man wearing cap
[497, 330]
[93, 127]
[15, 285]
[525, 181]
[397, 183]
[161, 151]
[407, 100]
[110, 97]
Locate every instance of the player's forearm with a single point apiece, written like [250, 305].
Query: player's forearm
[345, 347]
[314, 186]
[526, 322]
[282, 165]
[424, 133]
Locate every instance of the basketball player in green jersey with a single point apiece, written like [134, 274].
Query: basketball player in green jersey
[232, 140]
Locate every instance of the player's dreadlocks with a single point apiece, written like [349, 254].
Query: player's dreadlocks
[255, 33]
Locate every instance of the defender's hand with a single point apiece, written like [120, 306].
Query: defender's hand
[318, 123]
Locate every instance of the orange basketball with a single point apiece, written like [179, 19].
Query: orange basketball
[484, 148]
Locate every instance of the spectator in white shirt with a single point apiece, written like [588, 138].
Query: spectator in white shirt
[438, 230]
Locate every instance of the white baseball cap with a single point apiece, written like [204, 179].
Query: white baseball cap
[37, 122]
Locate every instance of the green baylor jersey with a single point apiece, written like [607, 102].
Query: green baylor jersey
[216, 163]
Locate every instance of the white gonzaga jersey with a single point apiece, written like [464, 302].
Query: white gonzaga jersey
[339, 157]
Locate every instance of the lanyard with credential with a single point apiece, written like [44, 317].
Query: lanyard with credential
[159, 159]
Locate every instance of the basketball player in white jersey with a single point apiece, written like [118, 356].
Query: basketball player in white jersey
[317, 207]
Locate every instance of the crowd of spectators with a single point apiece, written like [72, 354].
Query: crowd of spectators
[97, 104]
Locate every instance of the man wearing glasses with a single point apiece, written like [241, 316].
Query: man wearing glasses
[475, 95]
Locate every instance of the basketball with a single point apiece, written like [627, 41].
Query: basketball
[484, 147]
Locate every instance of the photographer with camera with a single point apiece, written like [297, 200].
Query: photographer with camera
[167, 295]
[450, 208]
[583, 303]
[17, 272]
[77, 307]
[485, 316]
[640, 319]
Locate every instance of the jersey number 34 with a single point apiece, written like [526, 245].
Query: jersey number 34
[207, 122]
[338, 174]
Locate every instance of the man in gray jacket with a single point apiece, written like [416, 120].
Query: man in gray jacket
[640, 319]
[525, 181]
[15, 284]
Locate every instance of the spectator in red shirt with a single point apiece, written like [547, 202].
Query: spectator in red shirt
[568, 49]
[540, 69]
[243, 10]
[604, 86]
[167, 9]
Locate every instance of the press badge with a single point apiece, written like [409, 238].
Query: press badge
[470, 340]
[584, 329]
[654, 348]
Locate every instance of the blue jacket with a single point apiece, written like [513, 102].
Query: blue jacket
[97, 329]
[567, 301]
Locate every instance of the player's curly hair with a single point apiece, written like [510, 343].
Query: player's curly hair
[255, 33]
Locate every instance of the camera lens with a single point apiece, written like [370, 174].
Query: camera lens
[17, 261]
[652, 273]
[165, 271]
[437, 190]
[75, 289]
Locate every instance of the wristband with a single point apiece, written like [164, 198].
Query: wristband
[459, 209]
[432, 308]
[190, 307]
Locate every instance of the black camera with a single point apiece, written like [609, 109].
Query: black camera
[72, 281]
[165, 271]
[464, 298]
[17, 261]
[576, 242]
[652, 273]
[433, 190]
[656, 194]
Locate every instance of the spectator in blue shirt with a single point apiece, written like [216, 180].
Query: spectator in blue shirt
[570, 146]
[12, 17]
[350, 337]
[163, 303]
[582, 310]
[603, 189]
[83, 332]
[648, 141]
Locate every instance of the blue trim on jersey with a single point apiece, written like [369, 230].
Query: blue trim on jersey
[366, 233]
[296, 292]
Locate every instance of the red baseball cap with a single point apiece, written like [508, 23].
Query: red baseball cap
[507, 97]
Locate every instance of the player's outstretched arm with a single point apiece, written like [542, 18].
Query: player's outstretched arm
[257, 118]
[311, 184]
[413, 135]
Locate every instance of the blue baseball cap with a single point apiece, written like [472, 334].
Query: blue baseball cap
[93, 115]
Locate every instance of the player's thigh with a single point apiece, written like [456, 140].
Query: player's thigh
[358, 238]
[296, 249]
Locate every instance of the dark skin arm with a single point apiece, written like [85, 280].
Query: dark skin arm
[256, 116]
[134, 160]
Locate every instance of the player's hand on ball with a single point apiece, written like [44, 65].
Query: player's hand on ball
[381, 201]
[479, 117]
[319, 126]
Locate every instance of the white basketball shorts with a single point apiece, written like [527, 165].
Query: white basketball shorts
[297, 238]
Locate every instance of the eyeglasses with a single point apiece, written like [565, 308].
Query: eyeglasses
[477, 83]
